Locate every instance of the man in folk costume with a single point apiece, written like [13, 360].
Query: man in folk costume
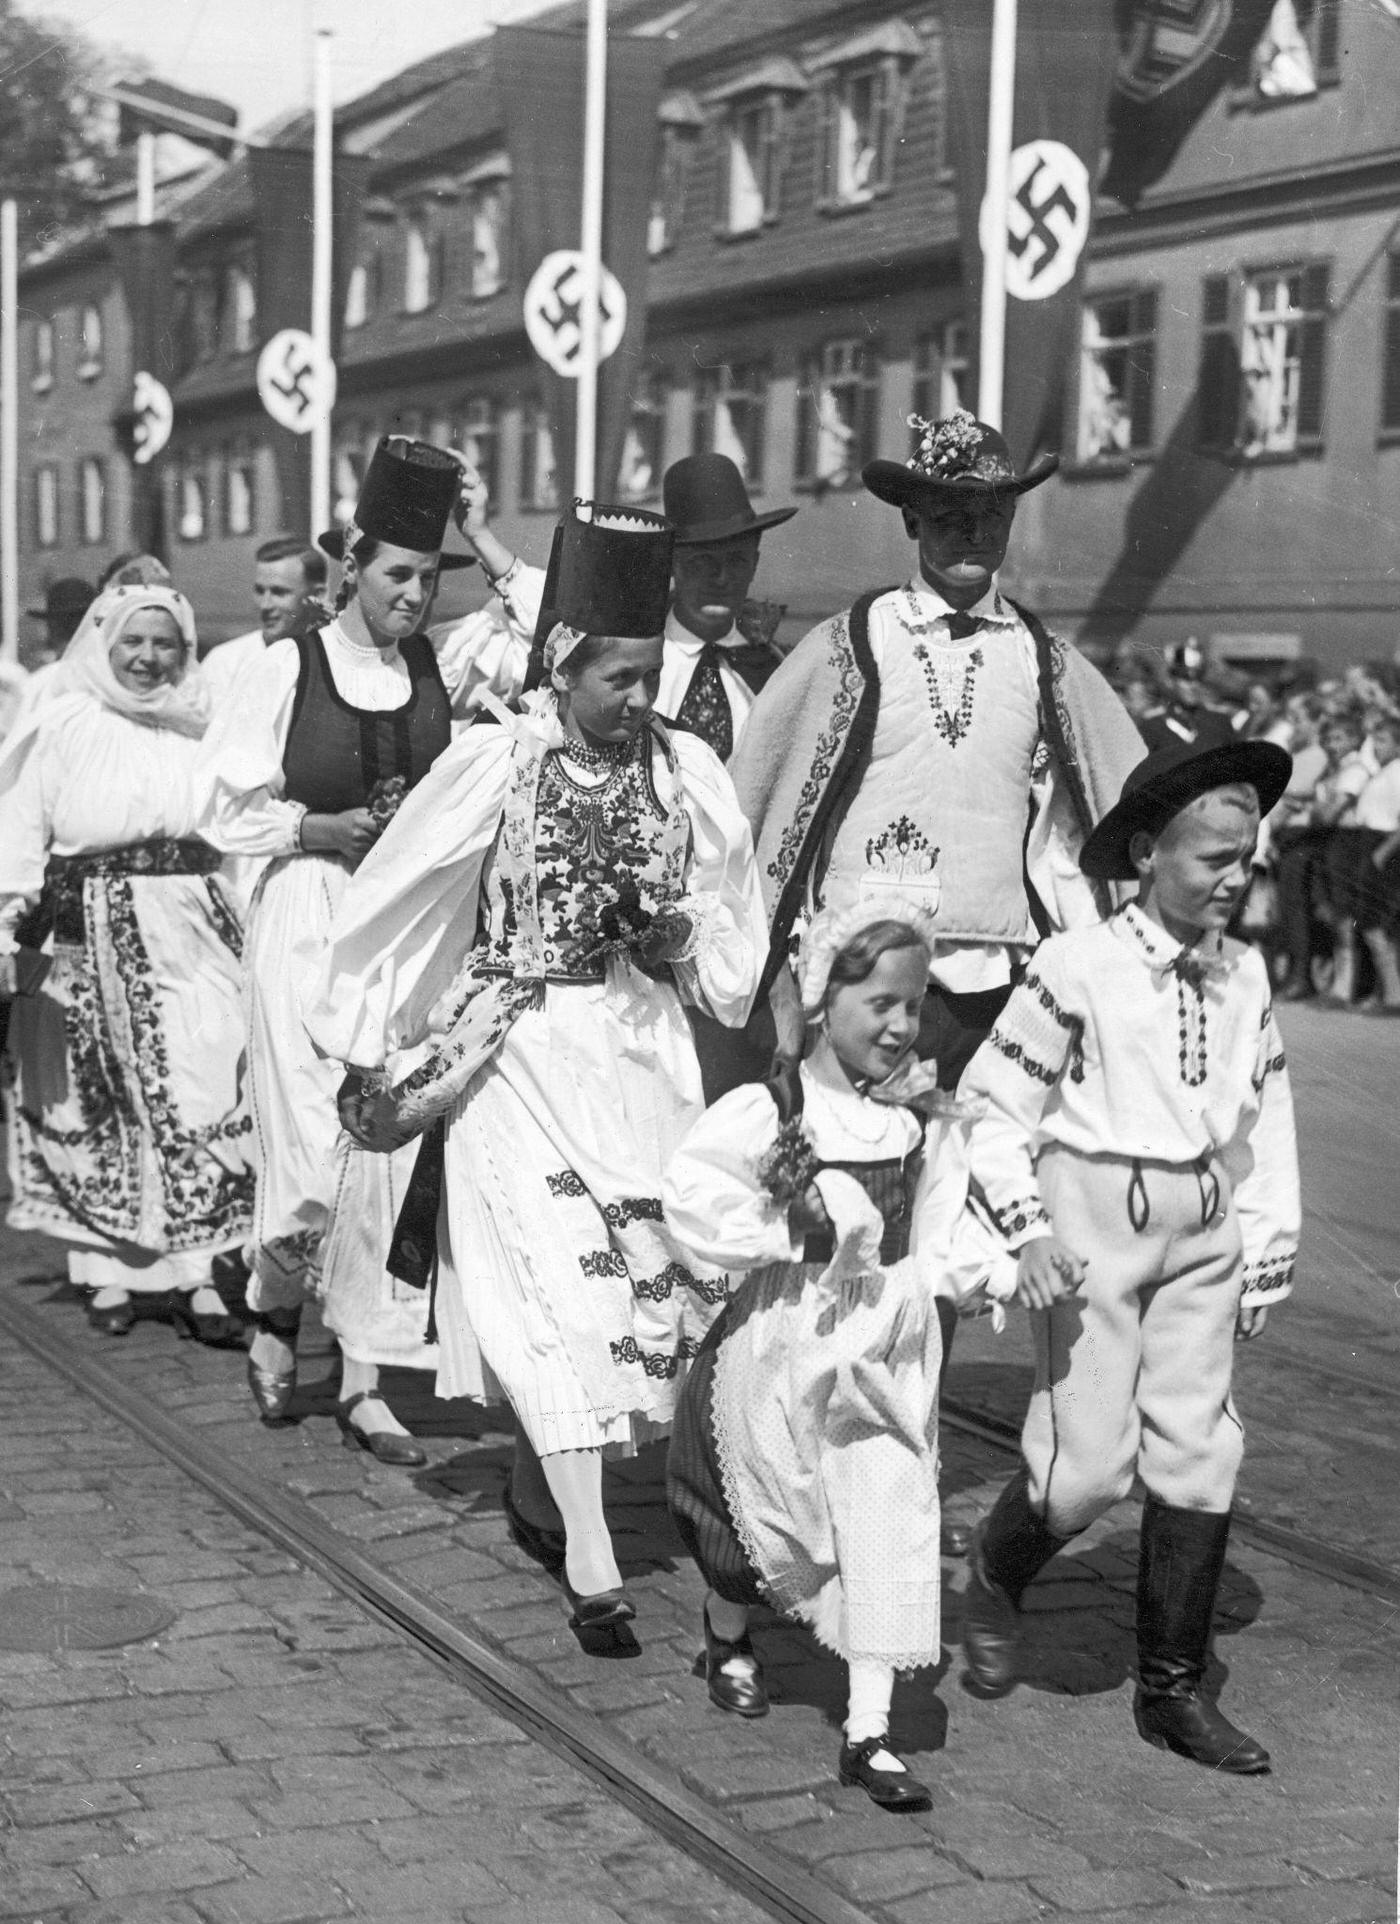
[935, 740]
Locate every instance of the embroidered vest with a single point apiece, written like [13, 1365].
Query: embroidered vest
[588, 837]
[335, 754]
[890, 1182]
[941, 812]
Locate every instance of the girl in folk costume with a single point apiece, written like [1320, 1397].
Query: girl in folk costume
[542, 906]
[310, 757]
[129, 1136]
[804, 1458]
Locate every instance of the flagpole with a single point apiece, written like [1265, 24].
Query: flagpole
[145, 178]
[1001, 101]
[321, 238]
[9, 431]
[590, 318]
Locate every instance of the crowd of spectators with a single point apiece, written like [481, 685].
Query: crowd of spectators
[1325, 904]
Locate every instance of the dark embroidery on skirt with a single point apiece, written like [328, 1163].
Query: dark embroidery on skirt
[568, 1182]
[625, 1350]
[224, 920]
[602, 1262]
[632, 1209]
[675, 1276]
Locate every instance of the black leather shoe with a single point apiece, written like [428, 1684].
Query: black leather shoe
[272, 1389]
[954, 1540]
[890, 1789]
[990, 1627]
[1192, 1726]
[547, 1546]
[117, 1319]
[220, 1331]
[386, 1446]
[603, 1611]
[744, 1692]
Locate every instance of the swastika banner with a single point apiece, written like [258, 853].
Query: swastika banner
[1065, 62]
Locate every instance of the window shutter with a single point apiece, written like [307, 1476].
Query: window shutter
[1390, 373]
[808, 376]
[772, 173]
[824, 142]
[724, 136]
[1312, 353]
[1218, 379]
[1327, 39]
[1143, 366]
[882, 124]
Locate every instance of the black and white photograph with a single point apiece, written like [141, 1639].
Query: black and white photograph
[699, 961]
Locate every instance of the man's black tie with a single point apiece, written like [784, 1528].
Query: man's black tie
[705, 707]
[961, 625]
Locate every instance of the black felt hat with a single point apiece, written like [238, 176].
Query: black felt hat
[705, 498]
[1165, 781]
[67, 599]
[406, 499]
[961, 456]
[609, 573]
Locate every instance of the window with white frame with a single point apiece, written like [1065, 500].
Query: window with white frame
[46, 518]
[473, 430]
[941, 376]
[644, 450]
[730, 415]
[1263, 361]
[539, 481]
[1117, 369]
[192, 506]
[750, 153]
[90, 342]
[240, 491]
[488, 226]
[240, 320]
[860, 108]
[42, 370]
[1298, 52]
[92, 501]
[422, 266]
[837, 413]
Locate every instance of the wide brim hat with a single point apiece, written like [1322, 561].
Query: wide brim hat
[609, 573]
[705, 500]
[961, 455]
[406, 499]
[1165, 781]
[70, 595]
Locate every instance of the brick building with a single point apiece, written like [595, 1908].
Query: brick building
[1232, 438]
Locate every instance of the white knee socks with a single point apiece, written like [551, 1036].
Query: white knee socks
[575, 1479]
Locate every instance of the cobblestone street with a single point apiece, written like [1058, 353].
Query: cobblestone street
[277, 1756]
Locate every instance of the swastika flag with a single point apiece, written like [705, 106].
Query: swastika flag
[1065, 62]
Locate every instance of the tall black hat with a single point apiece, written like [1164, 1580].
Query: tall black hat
[960, 455]
[609, 574]
[1165, 781]
[406, 498]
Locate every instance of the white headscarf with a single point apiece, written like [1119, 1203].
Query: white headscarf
[86, 666]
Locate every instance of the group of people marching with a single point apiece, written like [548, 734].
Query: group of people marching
[666, 1037]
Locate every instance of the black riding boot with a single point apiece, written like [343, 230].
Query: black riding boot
[1179, 1566]
[1008, 1547]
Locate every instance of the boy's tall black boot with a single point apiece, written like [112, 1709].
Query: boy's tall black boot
[1179, 1566]
[1008, 1547]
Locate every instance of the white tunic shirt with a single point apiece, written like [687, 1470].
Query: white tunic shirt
[679, 660]
[1114, 1045]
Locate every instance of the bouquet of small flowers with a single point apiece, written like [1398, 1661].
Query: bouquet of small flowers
[385, 800]
[631, 920]
[789, 1168]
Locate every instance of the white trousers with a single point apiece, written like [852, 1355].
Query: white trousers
[1133, 1372]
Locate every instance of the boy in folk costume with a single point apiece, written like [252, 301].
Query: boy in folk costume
[1137, 1146]
[935, 739]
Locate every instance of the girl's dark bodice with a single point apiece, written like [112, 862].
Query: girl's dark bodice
[336, 754]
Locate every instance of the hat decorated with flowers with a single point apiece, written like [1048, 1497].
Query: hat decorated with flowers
[961, 454]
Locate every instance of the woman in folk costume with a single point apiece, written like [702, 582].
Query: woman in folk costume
[309, 759]
[804, 1457]
[129, 1136]
[542, 906]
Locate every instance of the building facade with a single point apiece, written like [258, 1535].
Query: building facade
[1232, 435]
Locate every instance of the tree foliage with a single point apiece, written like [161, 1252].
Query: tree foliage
[55, 137]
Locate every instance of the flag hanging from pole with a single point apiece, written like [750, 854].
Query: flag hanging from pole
[1065, 64]
[540, 79]
[154, 106]
[283, 202]
[144, 258]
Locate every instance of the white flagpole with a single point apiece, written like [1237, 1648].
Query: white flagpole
[590, 318]
[145, 178]
[321, 238]
[1001, 103]
[9, 431]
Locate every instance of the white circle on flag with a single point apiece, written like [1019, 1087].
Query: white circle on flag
[552, 304]
[155, 417]
[296, 383]
[1048, 206]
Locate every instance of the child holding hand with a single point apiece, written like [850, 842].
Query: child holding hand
[1136, 1146]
